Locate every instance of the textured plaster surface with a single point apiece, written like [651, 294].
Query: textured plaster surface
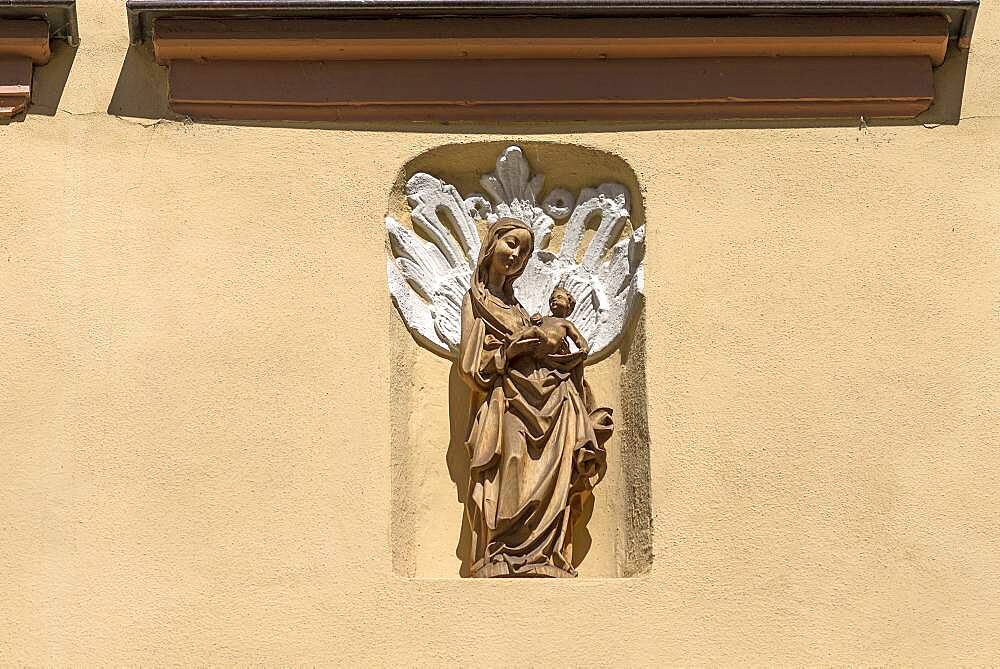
[194, 383]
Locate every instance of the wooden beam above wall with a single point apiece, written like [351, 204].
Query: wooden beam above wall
[15, 85]
[632, 89]
[23, 43]
[515, 68]
[28, 38]
[438, 39]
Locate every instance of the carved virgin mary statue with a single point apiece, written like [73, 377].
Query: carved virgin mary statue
[536, 437]
[537, 441]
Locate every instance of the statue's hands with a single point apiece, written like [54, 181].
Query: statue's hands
[577, 358]
[519, 335]
[523, 341]
[519, 347]
[566, 361]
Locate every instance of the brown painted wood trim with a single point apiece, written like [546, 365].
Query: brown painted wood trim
[27, 38]
[439, 39]
[554, 112]
[15, 85]
[504, 90]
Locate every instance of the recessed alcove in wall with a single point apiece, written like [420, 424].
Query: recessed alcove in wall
[430, 535]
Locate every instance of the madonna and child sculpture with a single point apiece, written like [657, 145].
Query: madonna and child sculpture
[521, 322]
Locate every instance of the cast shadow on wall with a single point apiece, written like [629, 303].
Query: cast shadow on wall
[48, 82]
[142, 91]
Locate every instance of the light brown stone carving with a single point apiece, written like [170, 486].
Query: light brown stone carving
[537, 442]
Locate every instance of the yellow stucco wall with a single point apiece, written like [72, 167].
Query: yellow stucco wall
[195, 417]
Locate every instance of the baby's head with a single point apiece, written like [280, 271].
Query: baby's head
[561, 302]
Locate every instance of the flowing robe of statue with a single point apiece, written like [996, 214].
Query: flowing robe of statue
[536, 443]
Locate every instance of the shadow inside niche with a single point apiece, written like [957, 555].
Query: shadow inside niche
[49, 80]
[143, 87]
[582, 541]
[460, 419]
[636, 548]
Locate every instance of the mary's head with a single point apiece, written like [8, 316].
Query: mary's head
[505, 252]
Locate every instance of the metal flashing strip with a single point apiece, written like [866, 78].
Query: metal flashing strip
[59, 14]
[143, 13]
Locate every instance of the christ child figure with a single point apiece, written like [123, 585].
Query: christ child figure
[555, 331]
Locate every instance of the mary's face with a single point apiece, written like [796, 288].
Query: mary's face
[511, 252]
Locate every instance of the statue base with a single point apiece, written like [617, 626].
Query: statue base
[502, 570]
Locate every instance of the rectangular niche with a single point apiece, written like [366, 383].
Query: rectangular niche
[431, 536]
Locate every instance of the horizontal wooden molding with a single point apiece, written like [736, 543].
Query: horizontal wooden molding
[525, 38]
[57, 16]
[24, 43]
[635, 89]
[28, 38]
[15, 85]
[515, 68]
[552, 112]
